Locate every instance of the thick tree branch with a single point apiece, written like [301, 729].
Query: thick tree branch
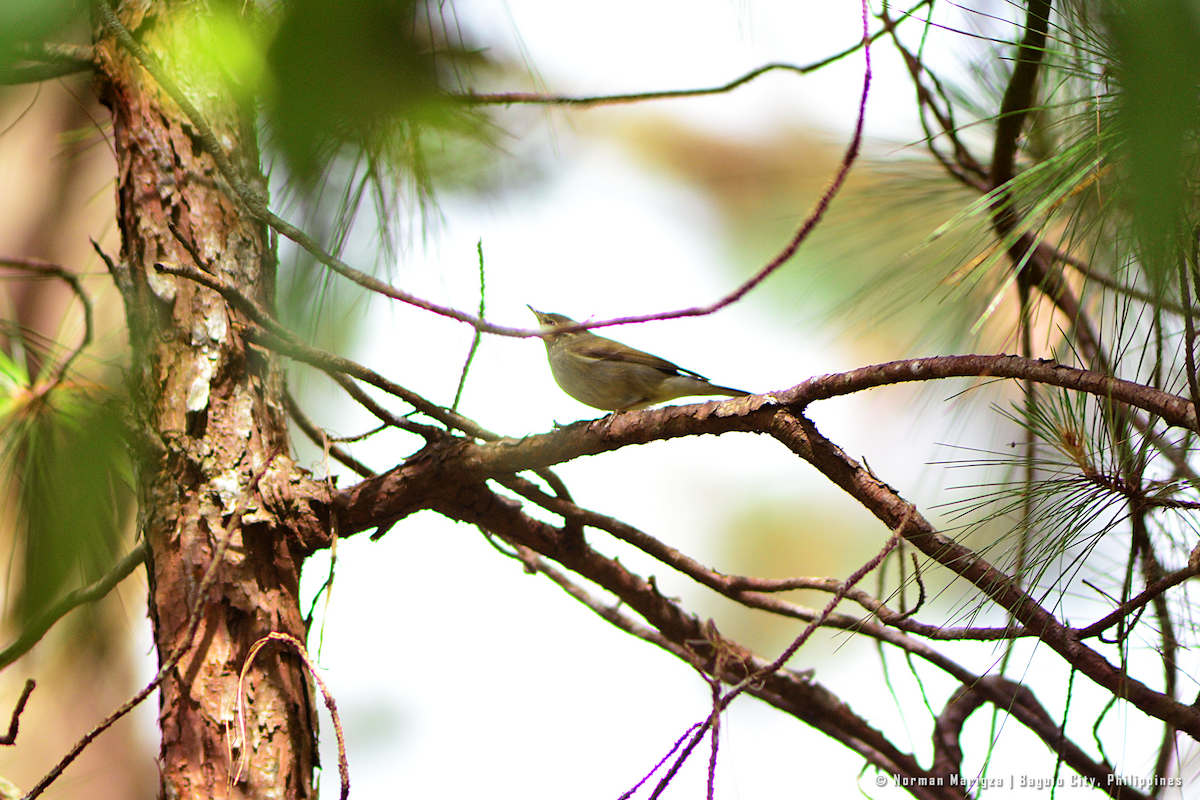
[802, 438]
[1018, 701]
[786, 690]
[438, 470]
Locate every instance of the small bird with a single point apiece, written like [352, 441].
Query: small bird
[611, 376]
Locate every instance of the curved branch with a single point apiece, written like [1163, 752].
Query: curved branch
[759, 592]
[45, 268]
[446, 466]
[33, 632]
[1147, 595]
[330, 704]
[1173, 409]
[1017, 700]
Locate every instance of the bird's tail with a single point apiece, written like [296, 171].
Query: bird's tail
[725, 390]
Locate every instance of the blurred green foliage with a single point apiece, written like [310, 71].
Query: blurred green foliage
[1157, 63]
[29, 21]
[359, 99]
[228, 43]
[63, 459]
[373, 73]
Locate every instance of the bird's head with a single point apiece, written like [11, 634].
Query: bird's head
[549, 320]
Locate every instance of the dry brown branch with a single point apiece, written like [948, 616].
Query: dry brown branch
[14, 722]
[1019, 702]
[1000, 692]
[437, 473]
[800, 436]
[758, 592]
[786, 690]
[1154, 590]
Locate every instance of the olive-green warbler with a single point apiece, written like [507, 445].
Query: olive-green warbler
[614, 377]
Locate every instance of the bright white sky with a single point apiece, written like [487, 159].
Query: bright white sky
[459, 676]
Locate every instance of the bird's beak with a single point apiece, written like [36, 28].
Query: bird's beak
[537, 314]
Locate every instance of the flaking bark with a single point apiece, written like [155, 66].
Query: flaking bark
[210, 415]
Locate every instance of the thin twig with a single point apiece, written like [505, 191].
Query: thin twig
[39, 267]
[320, 439]
[279, 338]
[1189, 329]
[14, 723]
[1147, 595]
[462, 381]
[756, 592]
[714, 726]
[799, 641]
[678, 743]
[298, 646]
[588, 101]
[756, 677]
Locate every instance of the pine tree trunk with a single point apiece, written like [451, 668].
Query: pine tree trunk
[210, 413]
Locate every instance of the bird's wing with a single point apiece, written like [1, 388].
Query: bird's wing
[602, 349]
